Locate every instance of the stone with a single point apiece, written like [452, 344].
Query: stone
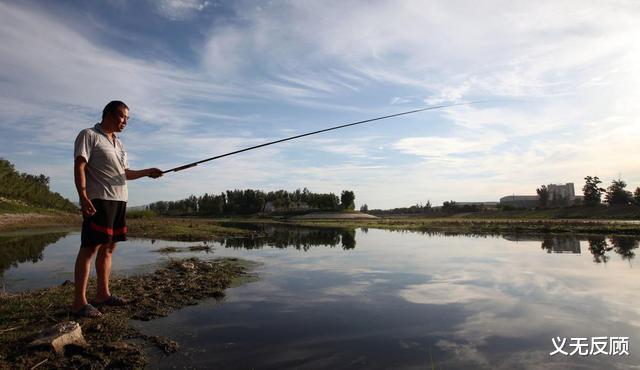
[188, 265]
[61, 335]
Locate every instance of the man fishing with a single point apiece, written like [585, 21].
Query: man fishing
[101, 172]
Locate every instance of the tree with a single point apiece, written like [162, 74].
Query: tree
[543, 195]
[616, 193]
[31, 189]
[591, 191]
[636, 196]
[364, 208]
[449, 207]
[347, 199]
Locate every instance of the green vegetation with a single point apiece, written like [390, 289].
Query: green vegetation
[20, 192]
[112, 342]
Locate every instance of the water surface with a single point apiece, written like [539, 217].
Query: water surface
[331, 298]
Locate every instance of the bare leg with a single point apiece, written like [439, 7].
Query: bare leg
[103, 271]
[81, 276]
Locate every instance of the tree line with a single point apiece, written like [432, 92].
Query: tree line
[250, 201]
[31, 189]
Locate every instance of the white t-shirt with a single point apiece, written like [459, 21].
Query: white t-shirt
[106, 164]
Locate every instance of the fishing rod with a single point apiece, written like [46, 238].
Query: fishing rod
[184, 167]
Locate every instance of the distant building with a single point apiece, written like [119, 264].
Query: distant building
[560, 195]
[520, 201]
[561, 244]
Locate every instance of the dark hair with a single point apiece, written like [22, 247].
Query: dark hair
[112, 107]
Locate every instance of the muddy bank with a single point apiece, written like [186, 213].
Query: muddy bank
[111, 342]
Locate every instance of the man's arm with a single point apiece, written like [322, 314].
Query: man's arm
[150, 172]
[80, 177]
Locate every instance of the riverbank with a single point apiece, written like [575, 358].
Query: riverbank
[110, 341]
[599, 220]
[38, 219]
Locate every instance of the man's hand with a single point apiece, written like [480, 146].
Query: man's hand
[87, 207]
[154, 172]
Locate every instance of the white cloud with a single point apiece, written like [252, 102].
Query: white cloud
[177, 10]
[444, 146]
[448, 293]
[572, 68]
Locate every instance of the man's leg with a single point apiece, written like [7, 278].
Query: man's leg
[103, 271]
[81, 276]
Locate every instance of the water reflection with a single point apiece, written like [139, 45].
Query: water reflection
[297, 237]
[406, 300]
[624, 246]
[600, 246]
[24, 248]
[398, 300]
[561, 244]
[305, 237]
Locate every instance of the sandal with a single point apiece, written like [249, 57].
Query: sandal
[88, 311]
[113, 300]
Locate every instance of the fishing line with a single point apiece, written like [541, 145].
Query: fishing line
[184, 167]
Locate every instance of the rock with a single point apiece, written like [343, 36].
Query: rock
[116, 346]
[61, 335]
[188, 265]
[207, 265]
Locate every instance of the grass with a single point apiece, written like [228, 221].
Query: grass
[112, 342]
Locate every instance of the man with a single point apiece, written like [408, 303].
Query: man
[101, 172]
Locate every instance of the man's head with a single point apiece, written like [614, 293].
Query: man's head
[115, 116]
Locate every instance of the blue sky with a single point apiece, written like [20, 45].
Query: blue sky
[203, 78]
